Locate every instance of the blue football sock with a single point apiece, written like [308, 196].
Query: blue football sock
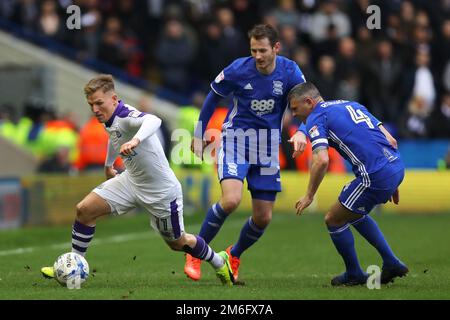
[213, 222]
[369, 229]
[344, 242]
[250, 233]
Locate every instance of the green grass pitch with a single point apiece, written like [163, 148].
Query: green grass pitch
[294, 260]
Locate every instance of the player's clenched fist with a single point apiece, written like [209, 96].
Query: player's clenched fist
[127, 147]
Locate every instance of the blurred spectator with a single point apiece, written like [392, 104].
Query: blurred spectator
[58, 163]
[439, 121]
[326, 80]
[419, 81]
[50, 23]
[174, 53]
[302, 55]
[7, 123]
[233, 40]
[349, 87]
[32, 125]
[446, 76]
[7, 8]
[365, 45]
[382, 76]
[358, 15]
[406, 21]
[211, 57]
[57, 133]
[88, 39]
[289, 41]
[329, 14]
[245, 14]
[119, 47]
[441, 49]
[328, 46]
[413, 124]
[92, 147]
[26, 13]
[286, 14]
[347, 61]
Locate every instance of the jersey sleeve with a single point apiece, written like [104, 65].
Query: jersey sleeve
[317, 129]
[142, 123]
[297, 76]
[302, 128]
[224, 83]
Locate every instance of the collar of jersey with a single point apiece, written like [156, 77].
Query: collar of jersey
[317, 107]
[119, 108]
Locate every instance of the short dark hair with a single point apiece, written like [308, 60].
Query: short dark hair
[304, 89]
[262, 31]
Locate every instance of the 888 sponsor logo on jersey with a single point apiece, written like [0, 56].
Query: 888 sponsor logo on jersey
[262, 107]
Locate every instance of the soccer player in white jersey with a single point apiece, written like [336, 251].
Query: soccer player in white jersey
[148, 181]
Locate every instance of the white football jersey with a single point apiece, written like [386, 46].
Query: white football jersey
[147, 167]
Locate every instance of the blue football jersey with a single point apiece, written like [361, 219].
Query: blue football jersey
[259, 101]
[350, 128]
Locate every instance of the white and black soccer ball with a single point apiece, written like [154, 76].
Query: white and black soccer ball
[71, 270]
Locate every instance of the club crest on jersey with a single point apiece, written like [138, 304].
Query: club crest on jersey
[134, 114]
[277, 87]
[220, 77]
[118, 134]
[314, 132]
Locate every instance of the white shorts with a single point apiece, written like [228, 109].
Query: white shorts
[166, 215]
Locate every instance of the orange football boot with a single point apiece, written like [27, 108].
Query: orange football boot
[235, 262]
[192, 267]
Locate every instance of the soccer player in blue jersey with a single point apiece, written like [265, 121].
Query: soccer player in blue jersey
[250, 139]
[362, 140]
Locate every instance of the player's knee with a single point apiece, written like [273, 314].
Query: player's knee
[176, 245]
[262, 221]
[83, 212]
[332, 221]
[229, 204]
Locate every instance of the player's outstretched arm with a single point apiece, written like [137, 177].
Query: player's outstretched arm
[388, 136]
[318, 170]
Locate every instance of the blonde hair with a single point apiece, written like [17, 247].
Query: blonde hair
[102, 82]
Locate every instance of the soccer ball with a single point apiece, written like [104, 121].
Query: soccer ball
[71, 270]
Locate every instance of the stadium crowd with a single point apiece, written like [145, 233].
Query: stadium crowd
[400, 71]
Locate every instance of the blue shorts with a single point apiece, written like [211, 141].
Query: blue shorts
[363, 193]
[263, 180]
